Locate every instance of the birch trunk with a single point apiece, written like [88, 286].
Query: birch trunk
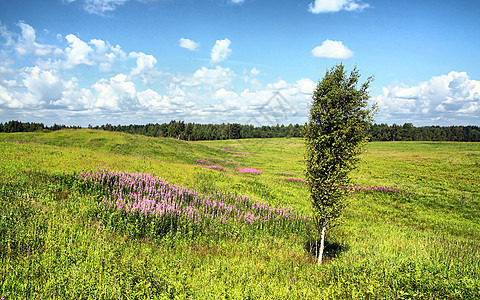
[322, 242]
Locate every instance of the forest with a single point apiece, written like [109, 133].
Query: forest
[208, 132]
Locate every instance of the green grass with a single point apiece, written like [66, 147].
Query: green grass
[420, 244]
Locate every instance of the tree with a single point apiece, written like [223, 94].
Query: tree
[334, 135]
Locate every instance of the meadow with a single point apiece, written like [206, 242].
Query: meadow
[89, 214]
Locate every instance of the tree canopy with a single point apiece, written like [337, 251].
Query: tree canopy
[334, 135]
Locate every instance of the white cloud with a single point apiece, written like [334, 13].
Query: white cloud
[441, 99]
[151, 99]
[78, 53]
[250, 78]
[5, 96]
[254, 71]
[174, 102]
[101, 47]
[229, 100]
[48, 92]
[6, 35]
[74, 98]
[224, 94]
[116, 93]
[27, 42]
[46, 85]
[102, 7]
[327, 6]
[106, 55]
[145, 67]
[25, 100]
[279, 85]
[221, 50]
[188, 44]
[145, 63]
[215, 78]
[306, 86]
[332, 49]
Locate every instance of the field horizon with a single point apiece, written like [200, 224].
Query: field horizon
[411, 230]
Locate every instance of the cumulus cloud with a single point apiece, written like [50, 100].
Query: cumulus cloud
[47, 91]
[78, 53]
[329, 6]
[221, 50]
[75, 98]
[173, 102]
[332, 49]
[106, 55]
[151, 99]
[5, 96]
[145, 67]
[6, 35]
[46, 88]
[250, 78]
[306, 86]
[211, 78]
[39, 87]
[279, 102]
[437, 101]
[188, 44]
[145, 63]
[27, 42]
[116, 93]
[44, 84]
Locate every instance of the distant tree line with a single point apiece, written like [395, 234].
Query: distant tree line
[17, 126]
[198, 132]
[408, 132]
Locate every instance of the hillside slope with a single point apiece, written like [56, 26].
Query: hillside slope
[412, 229]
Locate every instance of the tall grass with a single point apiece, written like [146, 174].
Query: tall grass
[145, 205]
[57, 242]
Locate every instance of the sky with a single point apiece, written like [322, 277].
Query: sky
[93, 62]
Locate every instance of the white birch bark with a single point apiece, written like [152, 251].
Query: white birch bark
[322, 242]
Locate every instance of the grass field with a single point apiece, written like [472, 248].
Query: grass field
[411, 231]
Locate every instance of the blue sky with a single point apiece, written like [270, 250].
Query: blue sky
[80, 62]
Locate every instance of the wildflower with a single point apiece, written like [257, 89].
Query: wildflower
[249, 170]
[156, 201]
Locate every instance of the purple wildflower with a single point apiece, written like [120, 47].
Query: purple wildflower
[204, 162]
[249, 170]
[213, 167]
[155, 200]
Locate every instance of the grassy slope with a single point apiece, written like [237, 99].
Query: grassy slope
[423, 244]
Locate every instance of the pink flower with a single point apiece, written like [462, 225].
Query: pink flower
[214, 167]
[249, 170]
[203, 162]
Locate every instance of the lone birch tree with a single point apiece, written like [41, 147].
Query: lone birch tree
[334, 135]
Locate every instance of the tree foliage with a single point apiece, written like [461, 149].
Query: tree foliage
[337, 128]
[197, 132]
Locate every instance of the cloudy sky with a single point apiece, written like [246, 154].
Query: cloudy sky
[80, 62]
